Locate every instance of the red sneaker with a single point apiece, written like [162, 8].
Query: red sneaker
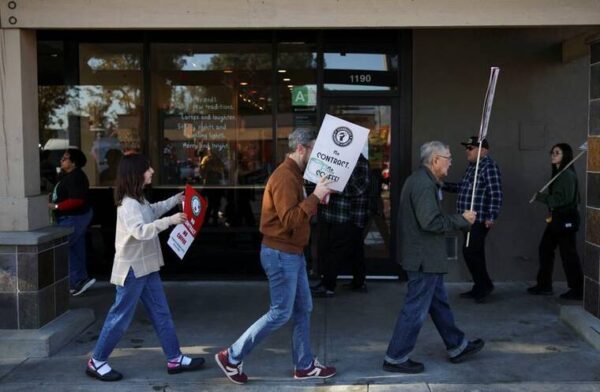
[233, 372]
[316, 370]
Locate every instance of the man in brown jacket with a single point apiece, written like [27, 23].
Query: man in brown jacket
[285, 226]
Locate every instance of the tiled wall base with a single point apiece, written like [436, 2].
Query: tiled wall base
[34, 277]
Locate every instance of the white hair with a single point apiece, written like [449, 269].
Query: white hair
[429, 149]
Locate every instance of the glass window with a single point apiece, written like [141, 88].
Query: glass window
[212, 120]
[100, 113]
[297, 87]
[53, 96]
[377, 118]
[109, 106]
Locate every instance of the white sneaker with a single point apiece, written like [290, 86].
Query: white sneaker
[82, 286]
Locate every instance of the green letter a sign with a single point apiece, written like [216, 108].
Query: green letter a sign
[304, 96]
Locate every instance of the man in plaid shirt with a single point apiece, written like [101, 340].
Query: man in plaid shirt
[488, 200]
[341, 224]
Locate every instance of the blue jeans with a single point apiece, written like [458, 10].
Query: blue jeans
[290, 298]
[77, 259]
[150, 290]
[426, 294]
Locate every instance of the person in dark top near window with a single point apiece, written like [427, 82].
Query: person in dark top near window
[562, 199]
[341, 225]
[69, 202]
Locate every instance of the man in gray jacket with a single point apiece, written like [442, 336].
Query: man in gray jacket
[422, 226]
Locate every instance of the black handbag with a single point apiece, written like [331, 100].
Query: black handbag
[565, 221]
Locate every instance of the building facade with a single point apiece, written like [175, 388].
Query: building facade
[210, 92]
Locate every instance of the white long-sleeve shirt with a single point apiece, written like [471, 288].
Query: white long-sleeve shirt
[136, 244]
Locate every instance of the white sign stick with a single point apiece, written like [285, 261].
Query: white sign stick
[485, 120]
[584, 146]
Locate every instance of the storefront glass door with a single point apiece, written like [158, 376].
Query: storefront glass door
[375, 115]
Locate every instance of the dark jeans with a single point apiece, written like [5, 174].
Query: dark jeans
[77, 255]
[339, 243]
[426, 294]
[475, 258]
[568, 253]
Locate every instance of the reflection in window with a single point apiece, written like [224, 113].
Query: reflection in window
[114, 62]
[213, 113]
[297, 86]
[101, 114]
[109, 106]
[378, 119]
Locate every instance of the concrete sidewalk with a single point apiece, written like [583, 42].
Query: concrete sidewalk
[527, 347]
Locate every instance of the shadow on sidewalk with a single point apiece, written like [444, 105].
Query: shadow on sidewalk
[525, 343]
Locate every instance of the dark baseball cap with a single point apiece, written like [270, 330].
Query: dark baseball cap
[474, 141]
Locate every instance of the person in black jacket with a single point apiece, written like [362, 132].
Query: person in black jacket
[562, 199]
[69, 202]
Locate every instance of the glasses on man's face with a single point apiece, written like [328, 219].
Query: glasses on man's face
[556, 152]
[449, 157]
[469, 148]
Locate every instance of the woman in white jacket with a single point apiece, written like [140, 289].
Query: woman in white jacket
[138, 258]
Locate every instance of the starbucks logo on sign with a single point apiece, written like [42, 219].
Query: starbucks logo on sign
[196, 205]
[342, 136]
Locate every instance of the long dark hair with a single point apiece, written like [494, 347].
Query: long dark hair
[130, 177]
[567, 156]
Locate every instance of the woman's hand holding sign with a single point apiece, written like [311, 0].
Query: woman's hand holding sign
[177, 218]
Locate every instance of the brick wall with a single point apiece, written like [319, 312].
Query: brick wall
[591, 264]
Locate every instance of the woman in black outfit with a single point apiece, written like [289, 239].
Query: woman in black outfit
[71, 208]
[562, 199]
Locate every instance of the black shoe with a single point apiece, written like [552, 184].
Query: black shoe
[359, 288]
[92, 371]
[407, 366]
[82, 286]
[468, 294]
[481, 296]
[322, 292]
[537, 290]
[178, 367]
[473, 347]
[317, 287]
[576, 295]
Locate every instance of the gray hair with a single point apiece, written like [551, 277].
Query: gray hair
[303, 136]
[429, 149]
